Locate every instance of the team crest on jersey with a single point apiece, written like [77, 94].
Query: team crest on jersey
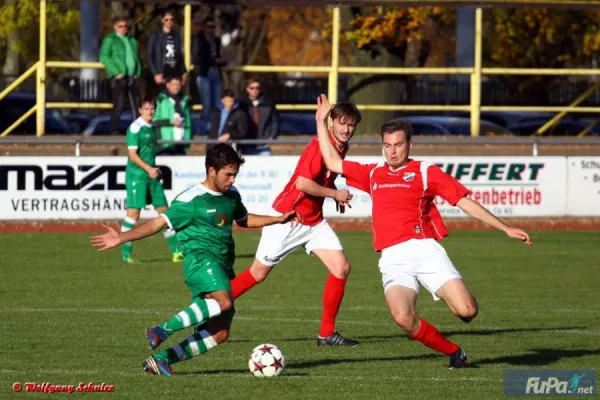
[219, 220]
[409, 176]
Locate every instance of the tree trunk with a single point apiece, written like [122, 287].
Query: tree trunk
[11, 68]
[374, 89]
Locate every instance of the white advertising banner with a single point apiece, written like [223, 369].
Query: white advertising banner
[583, 186]
[71, 188]
[507, 186]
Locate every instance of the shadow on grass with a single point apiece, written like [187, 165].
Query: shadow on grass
[536, 357]
[335, 361]
[477, 332]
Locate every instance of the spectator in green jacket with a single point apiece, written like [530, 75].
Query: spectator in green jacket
[173, 117]
[121, 58]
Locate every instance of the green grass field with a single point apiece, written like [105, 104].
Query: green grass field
[70, 315]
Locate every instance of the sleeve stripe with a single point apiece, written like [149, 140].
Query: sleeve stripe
[243, 218]
[167, 220]
[132, 147]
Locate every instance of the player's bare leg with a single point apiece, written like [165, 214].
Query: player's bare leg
[401, 302]
[459, 299]
[131, 218]
[169, 235]
[333, 293]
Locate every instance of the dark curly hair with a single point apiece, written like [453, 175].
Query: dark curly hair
[222, 155]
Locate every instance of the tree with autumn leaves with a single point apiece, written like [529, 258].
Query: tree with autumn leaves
[371, 36]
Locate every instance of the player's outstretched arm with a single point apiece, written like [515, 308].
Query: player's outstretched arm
[333, 161]
[312, 188]
[477, 211]
[112, 238]
[259, 221]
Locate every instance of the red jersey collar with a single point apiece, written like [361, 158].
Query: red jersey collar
[408, 162]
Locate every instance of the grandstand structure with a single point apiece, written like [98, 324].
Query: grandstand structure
[334, 70]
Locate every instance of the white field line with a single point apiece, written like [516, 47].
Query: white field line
[296, 308]
[244, 318]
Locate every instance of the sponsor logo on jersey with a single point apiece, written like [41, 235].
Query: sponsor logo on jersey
[219, 220]
[211, 210]
[389, 186]
[418, 229]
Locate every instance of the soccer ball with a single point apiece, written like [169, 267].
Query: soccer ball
[266, 360]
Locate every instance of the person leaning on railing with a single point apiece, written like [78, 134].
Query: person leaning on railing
[120, 56]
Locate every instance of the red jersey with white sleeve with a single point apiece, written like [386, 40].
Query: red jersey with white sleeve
[402, 199]
[311, 166]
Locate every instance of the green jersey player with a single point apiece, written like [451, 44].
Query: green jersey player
[142, 178]
[203, 217]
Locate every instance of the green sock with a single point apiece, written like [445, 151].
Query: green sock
[199, 311]
[193, 345]
[128, 224]
[169, 234]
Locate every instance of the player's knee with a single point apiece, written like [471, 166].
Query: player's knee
[408, 321]
[225, 304]
[467, 311]
[341, 270]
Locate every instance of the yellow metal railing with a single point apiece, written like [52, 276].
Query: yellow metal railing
[334, 70]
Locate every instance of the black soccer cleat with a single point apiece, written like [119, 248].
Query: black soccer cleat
[458, 359]
[335, 339]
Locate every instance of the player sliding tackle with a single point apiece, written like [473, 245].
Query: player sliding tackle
[406, 225]
[202, 216]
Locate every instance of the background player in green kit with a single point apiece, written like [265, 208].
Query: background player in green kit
[203, 217]
[142, 178]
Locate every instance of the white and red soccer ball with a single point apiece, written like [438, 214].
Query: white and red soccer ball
[266, 360]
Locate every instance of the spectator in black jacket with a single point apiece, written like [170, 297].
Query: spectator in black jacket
[165, 58]
[228, 121]
[207, 59]
[264, 118]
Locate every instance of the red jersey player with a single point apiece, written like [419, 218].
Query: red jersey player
[406, 227]
[305, 193]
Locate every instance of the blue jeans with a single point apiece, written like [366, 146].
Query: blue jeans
[209, 87]
[261, 150]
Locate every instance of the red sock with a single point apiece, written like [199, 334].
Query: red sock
[332, 298]
[242, 282]
[431, 338]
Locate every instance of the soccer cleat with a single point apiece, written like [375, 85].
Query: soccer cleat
[458, 359]
[129, 260]
[154, 366]
[156, 335]
[335, 339]
[177, 257]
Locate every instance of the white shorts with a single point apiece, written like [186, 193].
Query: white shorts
[416, 260]
[279, 240]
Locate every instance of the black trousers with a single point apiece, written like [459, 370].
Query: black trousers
[126, 87]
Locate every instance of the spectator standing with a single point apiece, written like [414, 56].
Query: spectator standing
[228, 121]
[173, 118]
[165, 58]
[263, 115]
[207, 60]
[120, 55]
